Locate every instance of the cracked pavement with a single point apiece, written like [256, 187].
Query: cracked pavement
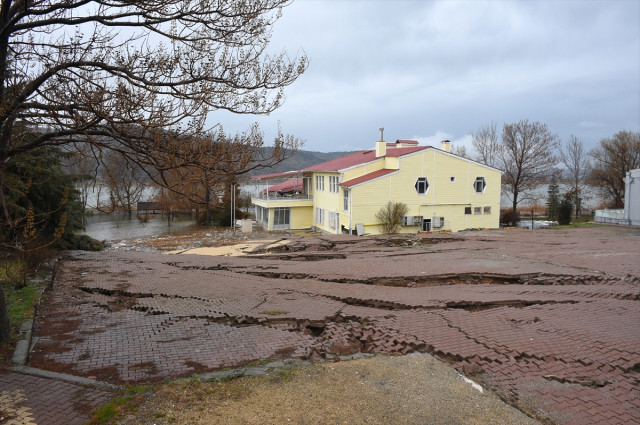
[547, 319]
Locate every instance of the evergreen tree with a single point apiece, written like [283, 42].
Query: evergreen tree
[553, 201]
[564, 211]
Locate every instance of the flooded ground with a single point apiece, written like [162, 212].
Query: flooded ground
[116, 227]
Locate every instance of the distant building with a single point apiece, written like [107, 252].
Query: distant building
[632, 197]
[630, 215]
[443, 191]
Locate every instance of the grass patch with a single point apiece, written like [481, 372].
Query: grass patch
[584, 221]
[20, 303]
[111, 410]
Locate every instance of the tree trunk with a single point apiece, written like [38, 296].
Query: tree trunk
[5, 328]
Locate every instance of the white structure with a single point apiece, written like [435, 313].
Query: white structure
[632, 198]
[631, 213]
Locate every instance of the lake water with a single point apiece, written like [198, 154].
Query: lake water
[115, 227]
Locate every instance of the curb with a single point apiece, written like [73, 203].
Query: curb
[27, 370]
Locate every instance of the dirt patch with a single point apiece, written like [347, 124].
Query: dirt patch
[381, 390]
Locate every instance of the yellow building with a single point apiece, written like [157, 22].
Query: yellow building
[443, 192]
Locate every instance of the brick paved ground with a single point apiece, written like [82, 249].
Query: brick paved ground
[31, 400]
[548, 319]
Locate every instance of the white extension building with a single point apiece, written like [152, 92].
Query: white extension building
[630, 215]
[632, 198]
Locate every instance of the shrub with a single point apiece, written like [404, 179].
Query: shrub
[510, 217]
[390, 216]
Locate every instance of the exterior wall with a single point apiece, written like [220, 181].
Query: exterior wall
[444, 198]
[632, 197]
[301, 217]
[451, 190]
[361, 170]
[329, 201]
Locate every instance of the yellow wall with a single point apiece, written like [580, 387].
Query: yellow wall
[301, 217]
[443, 199]
[352, 173]
[329, 201]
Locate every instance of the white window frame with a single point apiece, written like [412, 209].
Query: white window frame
[320, 183]
[345, 199]
[475, 184]
[281, 218]
[320, 216]
[477, 210]
[333, 184]
[487, 210]
[333, 218]
[427, 185]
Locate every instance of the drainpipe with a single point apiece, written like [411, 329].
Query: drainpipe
[350, 213]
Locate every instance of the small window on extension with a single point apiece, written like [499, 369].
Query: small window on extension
[477, 210]
[487, 210]
[467, 210]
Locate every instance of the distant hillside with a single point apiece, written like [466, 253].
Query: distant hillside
[299, 161]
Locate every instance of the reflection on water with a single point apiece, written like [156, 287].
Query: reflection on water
[115, 227]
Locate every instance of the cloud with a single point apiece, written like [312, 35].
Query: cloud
[448, 67]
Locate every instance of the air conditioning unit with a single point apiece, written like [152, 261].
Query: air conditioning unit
[438, 222]
[411, 220]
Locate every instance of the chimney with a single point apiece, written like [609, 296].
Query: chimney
[445, 145]
[381, 145]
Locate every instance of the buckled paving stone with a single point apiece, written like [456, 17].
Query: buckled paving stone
[179, 314]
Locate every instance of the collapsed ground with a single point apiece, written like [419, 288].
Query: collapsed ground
[548, 319]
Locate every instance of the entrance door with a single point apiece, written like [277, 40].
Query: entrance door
[426, 225]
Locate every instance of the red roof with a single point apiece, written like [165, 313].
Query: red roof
[288, 185]
[407, 142]
[361, 157]
[367, 177]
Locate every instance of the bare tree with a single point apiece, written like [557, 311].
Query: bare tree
[575, 159]
[527, 156]
[390, 216]
[126, 182]
[460, 150]
[138, 78]
[485, 142]
[611, 161]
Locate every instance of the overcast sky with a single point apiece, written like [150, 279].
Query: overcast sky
[435, 70]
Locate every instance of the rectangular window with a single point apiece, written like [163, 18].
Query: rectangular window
[281, 217]
[477, 210]
[467, 210]
[262, 216]
[487, 210]
[345, 200]
[320, 183]
[320, 216]
[453, 179]
[333, 184]
[332, 219]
